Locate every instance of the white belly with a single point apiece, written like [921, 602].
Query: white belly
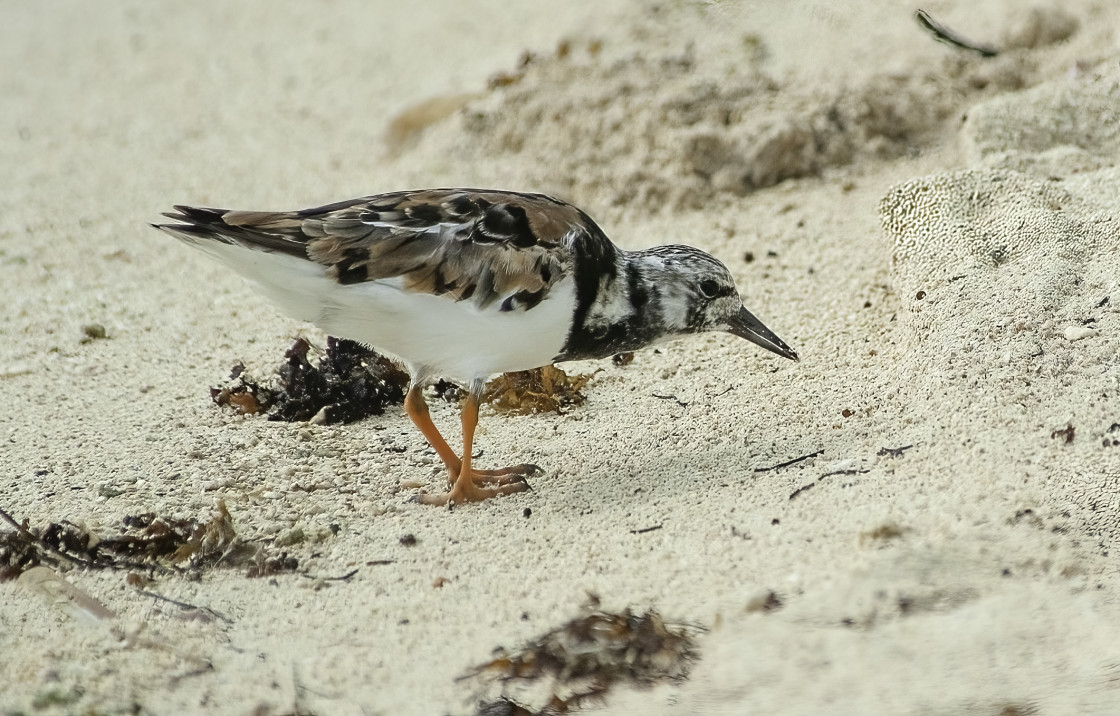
[434, 336]
[443, 337]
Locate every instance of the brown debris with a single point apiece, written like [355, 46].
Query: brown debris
[145, 543]
[588, 656]
[264, 564]
[769, 602]
[503, 707]
[621, 359]
[448, 391]
[540, 390]
[1066, 434]
[881, 534]
[350, 382]
[242, 393]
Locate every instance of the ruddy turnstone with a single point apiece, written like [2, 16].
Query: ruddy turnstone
[467, 283]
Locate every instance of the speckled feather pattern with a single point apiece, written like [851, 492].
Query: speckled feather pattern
[474, 262]
[463, 243]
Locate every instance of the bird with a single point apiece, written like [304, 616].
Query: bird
[464, 284]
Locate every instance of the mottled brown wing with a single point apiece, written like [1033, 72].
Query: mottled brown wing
[460, 243]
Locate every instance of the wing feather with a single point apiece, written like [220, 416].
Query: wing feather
[466, 244]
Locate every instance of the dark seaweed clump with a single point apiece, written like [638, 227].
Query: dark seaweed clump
[349, 382]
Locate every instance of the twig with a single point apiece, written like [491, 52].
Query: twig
[787, 463]
[949, 37]
[844, 472]
[643, 530]
[184, 605]
[803, 488]
[342, 578]
[206, 668]
[893, 452]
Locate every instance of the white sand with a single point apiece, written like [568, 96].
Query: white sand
[987, 187]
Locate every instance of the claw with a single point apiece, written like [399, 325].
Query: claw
[466, 491]
[504, 476]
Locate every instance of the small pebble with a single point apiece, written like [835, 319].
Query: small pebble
[842, 465]
[94, 331]
[1076, 333]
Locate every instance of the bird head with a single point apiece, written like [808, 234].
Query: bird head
[698, 295]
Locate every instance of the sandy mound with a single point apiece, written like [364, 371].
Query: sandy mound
[1010, 282]
[1059, 128]
[672, 125]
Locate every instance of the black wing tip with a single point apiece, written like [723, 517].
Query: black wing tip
[200, 225]
[192, 233]
[199, 215]
[194, 221]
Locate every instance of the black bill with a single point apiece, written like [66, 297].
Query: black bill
[745, 325]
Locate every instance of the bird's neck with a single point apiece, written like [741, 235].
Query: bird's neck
[620, 305]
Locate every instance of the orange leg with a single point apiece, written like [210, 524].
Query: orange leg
[465, 481]
[417, 409]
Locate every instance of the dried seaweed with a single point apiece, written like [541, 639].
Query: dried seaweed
[242, 393]
[264, 564]
[585, 658]
[145, 543]
[540, 390]
[449, 392]
[350, 382]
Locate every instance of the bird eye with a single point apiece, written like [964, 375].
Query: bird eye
[709, 288]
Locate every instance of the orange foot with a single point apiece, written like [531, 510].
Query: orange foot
[467, 483]
[472, 488]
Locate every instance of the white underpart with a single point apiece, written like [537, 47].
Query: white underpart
[675, 299]
[675, 304]
[434, 336]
